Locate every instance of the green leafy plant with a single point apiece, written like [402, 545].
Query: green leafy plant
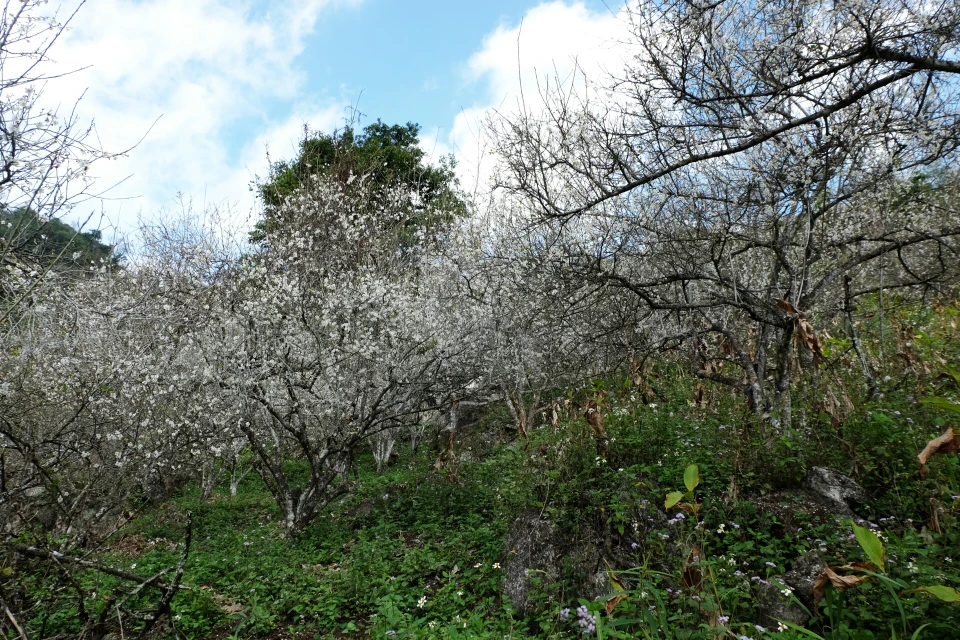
[691, 479]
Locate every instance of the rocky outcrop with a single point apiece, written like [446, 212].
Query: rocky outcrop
[840, 490]
[803, 574]
[778, 596]
[776, 603]
[537, 551]
[824, 495]
[530, 554]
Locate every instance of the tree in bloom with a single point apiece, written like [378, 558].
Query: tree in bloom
[327, 336]
[46, 157]
[753, 169]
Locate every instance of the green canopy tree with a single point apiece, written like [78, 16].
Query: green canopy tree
[388, 157]
[32, 248]
[31, 240]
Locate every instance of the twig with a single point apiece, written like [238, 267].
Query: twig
[164, 607]
[56, 556]
[13, 621]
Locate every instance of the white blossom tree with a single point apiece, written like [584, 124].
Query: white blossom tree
[327, 337]
[46, 154]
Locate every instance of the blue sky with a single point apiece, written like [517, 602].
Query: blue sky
[212, 85]
[408, 57]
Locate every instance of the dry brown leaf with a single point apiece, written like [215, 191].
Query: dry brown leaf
[614, 601]
[786, 307]
[699, 396]
[807, 336]
[839, 582]
[592, 413]
[947, 442]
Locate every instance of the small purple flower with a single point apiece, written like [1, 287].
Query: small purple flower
[587, 622]
[896, 413]
[723, 619]
[760, 629]
[735, 525]
[391, 633]
[770, 564]
[564, 613]
[247, 544]
[634, 545]
[909, 420]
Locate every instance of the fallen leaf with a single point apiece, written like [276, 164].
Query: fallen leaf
[839, 582]
[947, 442]
[614, 601]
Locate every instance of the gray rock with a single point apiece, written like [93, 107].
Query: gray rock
[776, 606]
[529, 552]
[803, 574]
[840, 490]
[535, 550]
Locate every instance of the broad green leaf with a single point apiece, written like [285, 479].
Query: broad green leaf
[872, 546]
[941, 403]
[673, 498]
[953, 373]
[947, 594]
[691, 477]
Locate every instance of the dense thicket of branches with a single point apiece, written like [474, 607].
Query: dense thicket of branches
[756, 164]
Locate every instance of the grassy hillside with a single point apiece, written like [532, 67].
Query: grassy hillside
[422, 549]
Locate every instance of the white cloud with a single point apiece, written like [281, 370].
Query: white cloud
[207, 69]
[433, 143]
[553, 40]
